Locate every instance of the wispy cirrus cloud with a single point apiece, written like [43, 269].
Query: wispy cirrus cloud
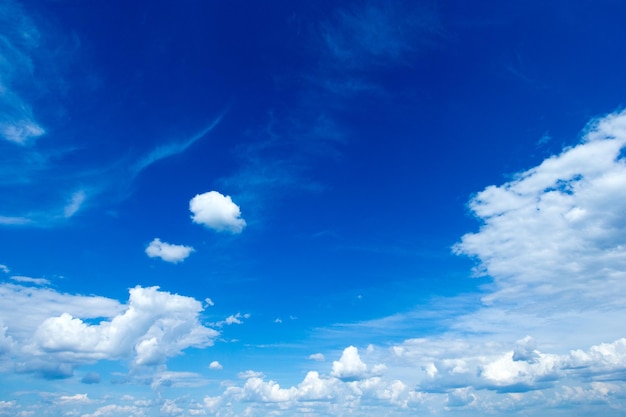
[63, 174]
[375, 33]
[20, 38]
[172, 148]
[30, 280]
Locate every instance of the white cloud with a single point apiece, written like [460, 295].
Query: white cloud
[215, 365]
[4, 269]
[76, 398]
[350, 366]
[29, 280]
[217, 212]
[314, 388]
[168, 252]
[209, 302]
[232, 319]
[317, 393]
[258, 390]
[153, 326]
[26, 307]
[77, 200]
[480, 377]
[319, 357]
[558, 227]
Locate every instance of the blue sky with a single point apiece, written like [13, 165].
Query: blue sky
[360, 208]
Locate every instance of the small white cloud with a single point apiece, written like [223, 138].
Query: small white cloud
[278, 320]
[77, 398]
[215, 365]
[29, 280]
[168, 252]
[4, 269]
[317, 357]
[349, 366]
[217, 212]
[233, 319]
[209, 302]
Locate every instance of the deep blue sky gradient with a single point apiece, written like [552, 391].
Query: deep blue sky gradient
[351, 134]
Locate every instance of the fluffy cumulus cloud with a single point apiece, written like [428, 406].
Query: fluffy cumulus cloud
[60, 333]
[167, 251]
[559, 227]
[439, 376]
[349, 366]
[319, 393]
[217, 212]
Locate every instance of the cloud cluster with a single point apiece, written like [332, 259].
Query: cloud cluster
[55, 337]
[545, 337]
[559, 227]
[420, 379]
[217, 212]
[167, 251]
[331, 392]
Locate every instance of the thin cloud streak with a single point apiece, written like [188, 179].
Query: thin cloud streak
[174, 148]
